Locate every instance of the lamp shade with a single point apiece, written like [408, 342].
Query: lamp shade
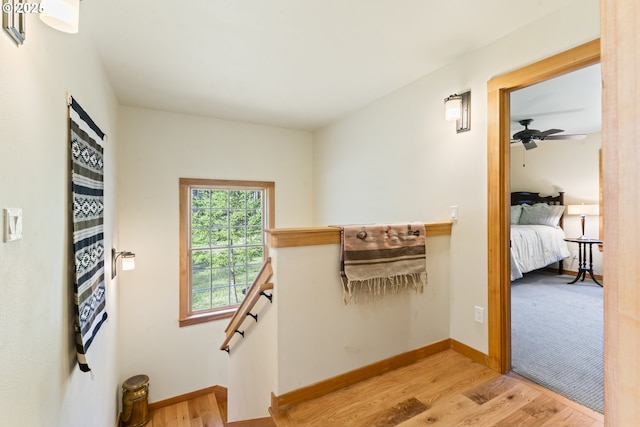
[128, 262]
[63, 15]
[583, 209]
[453, 107]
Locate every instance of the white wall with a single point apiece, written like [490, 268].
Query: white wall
[573, 167]
[319, 337]
[253, 362]
[156, 150]
[398, 159]
[41, 384]
[308, 334]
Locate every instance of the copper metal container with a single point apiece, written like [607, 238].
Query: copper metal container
[135, 405]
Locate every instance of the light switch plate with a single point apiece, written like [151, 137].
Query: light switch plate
[12, 224]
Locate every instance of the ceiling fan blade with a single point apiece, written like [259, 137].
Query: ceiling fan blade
[546, 133]
[561, 137]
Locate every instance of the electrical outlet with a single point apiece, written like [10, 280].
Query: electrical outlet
[479, 314]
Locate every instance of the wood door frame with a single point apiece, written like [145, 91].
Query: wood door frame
[498, 187]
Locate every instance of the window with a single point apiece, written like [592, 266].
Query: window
[222, 246]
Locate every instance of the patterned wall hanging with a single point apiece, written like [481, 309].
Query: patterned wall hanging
[88, 231]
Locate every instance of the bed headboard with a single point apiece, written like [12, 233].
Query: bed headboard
[529, 198]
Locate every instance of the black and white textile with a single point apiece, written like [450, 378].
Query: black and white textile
[87, 167]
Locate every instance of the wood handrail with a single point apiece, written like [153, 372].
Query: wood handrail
[309, 236]
[259, 285]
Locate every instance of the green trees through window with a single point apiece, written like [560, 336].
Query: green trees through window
[225, 246]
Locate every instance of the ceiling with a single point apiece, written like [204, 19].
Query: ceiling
[571, 102]
[291, 63]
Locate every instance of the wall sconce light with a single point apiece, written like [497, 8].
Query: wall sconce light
[128, 261]
[583, 210]
[62, 15]
[458, 108]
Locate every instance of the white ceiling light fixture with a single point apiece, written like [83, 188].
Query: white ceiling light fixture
[62, 15]
[457, 107]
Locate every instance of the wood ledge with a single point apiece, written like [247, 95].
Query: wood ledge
[310, 236]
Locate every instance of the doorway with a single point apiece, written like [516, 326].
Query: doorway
[498, 158]
[557, 328]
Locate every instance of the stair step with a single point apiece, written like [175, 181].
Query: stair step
[204, 410]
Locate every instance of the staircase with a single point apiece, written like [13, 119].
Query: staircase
[204, 410]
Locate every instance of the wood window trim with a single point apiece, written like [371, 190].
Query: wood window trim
[498, 187]
[187, 318]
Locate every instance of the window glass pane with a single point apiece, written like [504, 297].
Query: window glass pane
[254, 217]
[240, 274]
[254, 199]
[255, 255]
[235, 294]
[200, 259]
[200, 218]
[220, 237]
[221, 297]
[219, 258]
[237, 199]
[253, 270]
[201, 299]
[200, 238]
[220, 218]
[237, 237]
[220, 276]
[200, 198]
[219, 199]
[238, 218]
[254, 235]
[201, 279]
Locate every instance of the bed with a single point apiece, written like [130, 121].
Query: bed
[537, 237]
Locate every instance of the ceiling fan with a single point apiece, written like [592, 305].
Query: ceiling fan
[528, 136]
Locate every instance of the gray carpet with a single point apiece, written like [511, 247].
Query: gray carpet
[557, 336]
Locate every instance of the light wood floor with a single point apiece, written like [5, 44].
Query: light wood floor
[203, 411]
[446, 389]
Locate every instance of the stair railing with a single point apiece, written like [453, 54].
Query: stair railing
[258, 289]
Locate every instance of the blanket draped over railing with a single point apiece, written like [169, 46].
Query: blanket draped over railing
[380, 258]
[88, 235]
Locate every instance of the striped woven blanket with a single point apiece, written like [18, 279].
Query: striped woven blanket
[380, 258]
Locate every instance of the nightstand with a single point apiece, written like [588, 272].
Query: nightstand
[582, 257]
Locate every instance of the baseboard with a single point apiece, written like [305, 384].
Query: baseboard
[284, 402]
[256, 422]
[470, 352]
[219, 391]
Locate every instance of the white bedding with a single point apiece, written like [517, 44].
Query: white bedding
[534, 247]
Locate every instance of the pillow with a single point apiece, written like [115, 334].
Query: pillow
[516, 211]
[541, 214]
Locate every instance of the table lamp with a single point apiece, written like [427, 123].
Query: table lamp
[583, 210]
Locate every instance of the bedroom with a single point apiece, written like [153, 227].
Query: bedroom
[573, 368]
